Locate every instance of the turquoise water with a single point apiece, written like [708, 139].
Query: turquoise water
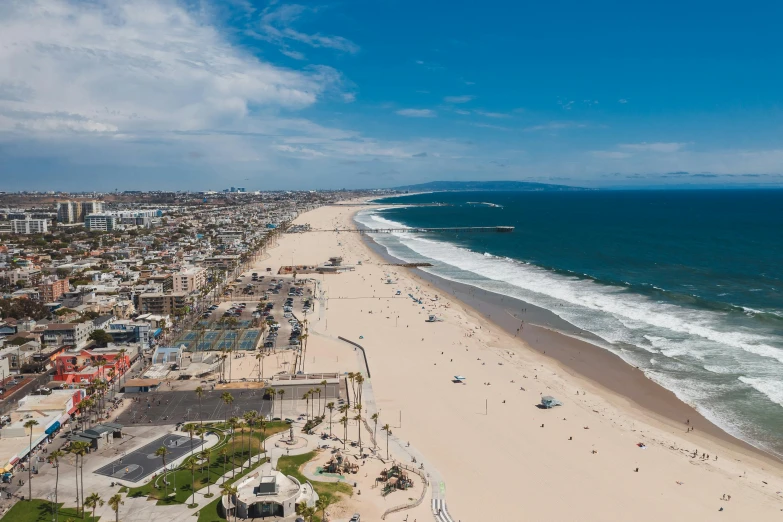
[686, 285]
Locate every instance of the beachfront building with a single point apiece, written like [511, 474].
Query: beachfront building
[85, 366]
[190, 279]
[162, 304]
[50, 411]
[268, 495]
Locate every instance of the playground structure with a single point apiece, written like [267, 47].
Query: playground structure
[394, 478]
[340, 465]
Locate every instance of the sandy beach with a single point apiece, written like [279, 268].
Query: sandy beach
[618, 448]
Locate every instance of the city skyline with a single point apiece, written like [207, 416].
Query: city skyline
[141, 95]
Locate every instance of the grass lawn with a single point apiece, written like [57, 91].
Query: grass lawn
[290, 465]
[210, 513]
[40, 511]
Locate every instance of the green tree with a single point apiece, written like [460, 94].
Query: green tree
[115, 501]
[162, 452]
[101, 337]
[93, 502]
[54, 459]
[200, 395]
[29, 425]
[330, 407]
[387, 429]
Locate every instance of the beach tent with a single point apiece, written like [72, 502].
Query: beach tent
[459, 379]
[547, 401]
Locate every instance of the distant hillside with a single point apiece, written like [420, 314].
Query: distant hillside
[486, 185]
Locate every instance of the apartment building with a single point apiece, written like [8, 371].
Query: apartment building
[70, 334]
[101, 222]
[52, 288]
[28, 225]
[30, 275]
[190, 279]
[76, 211]
[162, 304]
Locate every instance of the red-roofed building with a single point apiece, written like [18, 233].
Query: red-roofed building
[83, 366]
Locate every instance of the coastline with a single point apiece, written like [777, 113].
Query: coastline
[487, 447]
[548, 335]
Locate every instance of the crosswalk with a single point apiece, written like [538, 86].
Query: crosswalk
[439, 510]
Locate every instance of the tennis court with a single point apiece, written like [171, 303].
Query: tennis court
[249, 340]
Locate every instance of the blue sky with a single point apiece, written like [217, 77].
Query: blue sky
[144, 94]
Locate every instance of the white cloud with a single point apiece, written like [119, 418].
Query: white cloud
[556, 125]
[490, 126]
[459, 99]
[462, 112]
[492, 114]
[622, 100]
[653, 147]
[610, 154]
[296, 55]
[135, 66]
[417, 113]
[275, 26]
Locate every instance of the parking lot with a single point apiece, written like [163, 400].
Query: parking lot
[171, 406]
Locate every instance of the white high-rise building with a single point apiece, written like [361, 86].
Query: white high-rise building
[29, 225]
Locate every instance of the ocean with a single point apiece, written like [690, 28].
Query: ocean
[685, 285]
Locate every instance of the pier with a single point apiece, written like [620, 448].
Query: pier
[414, 230]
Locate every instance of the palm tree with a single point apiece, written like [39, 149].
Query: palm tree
[281, 393]
[318, 392]
[115, 501]
[306, 397]
[228, 490]
[323, 383]
[322, 503]
[387, 429]
[224, 457]
[190, 429]
[162, 452]
[262, 424]
[54, 459]
[29, 425]
[344, 422]
[374, 418]
[78, 449]
[233, 422]
[200, 394]
[93, 502]
[271, 392]
[358, 420]
[260, 358]
[351, 377]
[204, 457]
[250, 417]
[330, 407]
[303, 340]
[227, 398]
[359, 382]
[193, 466]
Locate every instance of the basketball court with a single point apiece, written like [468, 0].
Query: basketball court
[142, 462]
